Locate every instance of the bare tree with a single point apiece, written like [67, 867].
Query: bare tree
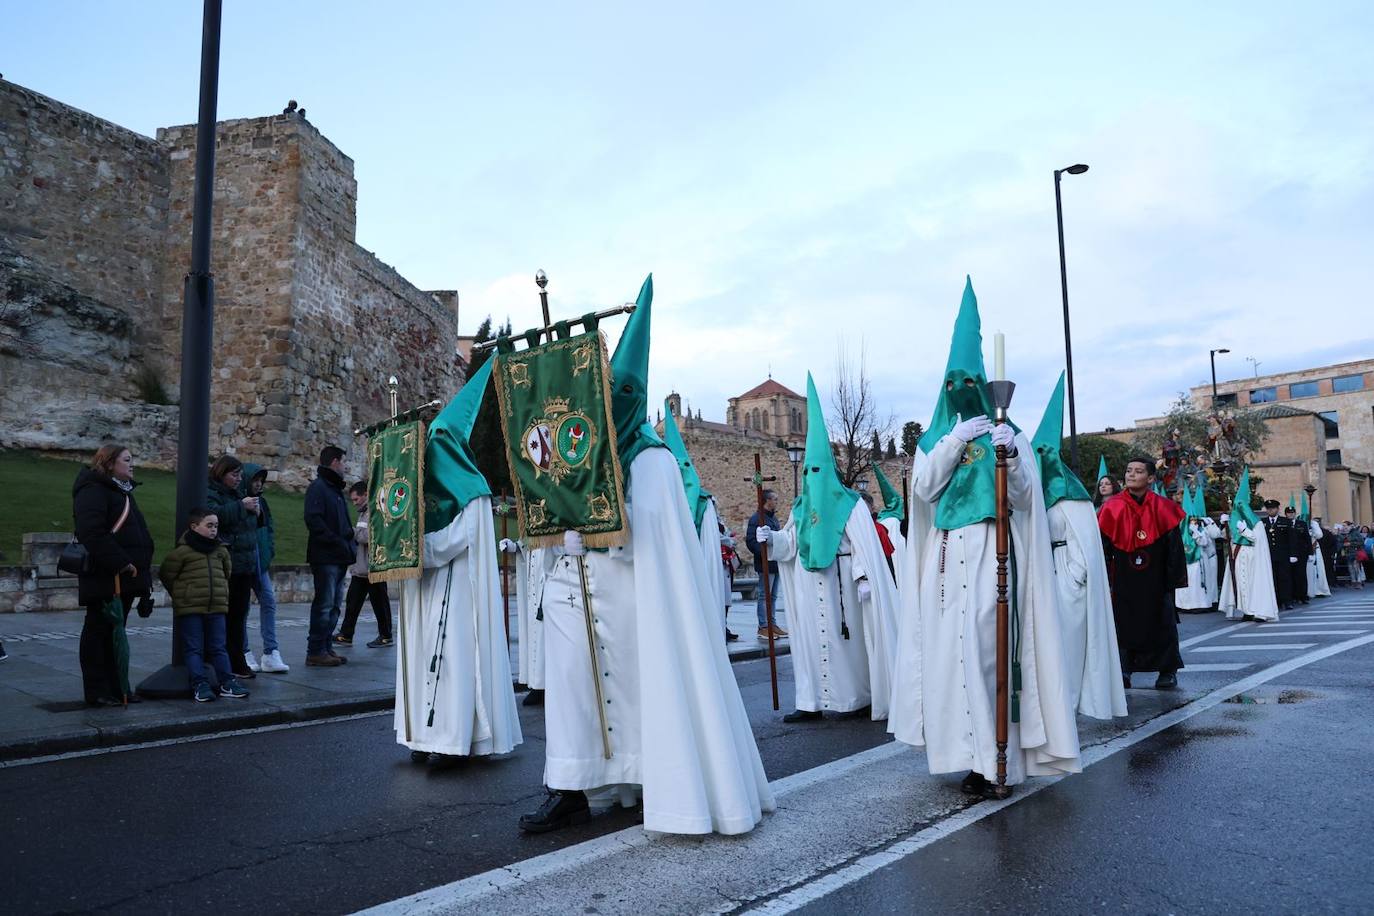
[854, 420]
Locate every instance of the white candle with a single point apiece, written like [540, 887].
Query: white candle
[999, 356]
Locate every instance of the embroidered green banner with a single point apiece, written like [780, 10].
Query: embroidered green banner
[560, 441]
[396, 500]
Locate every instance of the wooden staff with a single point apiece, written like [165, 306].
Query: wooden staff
[1001, 397]
[505, 582]
[758, 481]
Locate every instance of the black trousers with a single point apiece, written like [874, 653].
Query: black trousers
[1283, 581]
[235, 636]
[360, 589]
[1298, 577]
[96, 651]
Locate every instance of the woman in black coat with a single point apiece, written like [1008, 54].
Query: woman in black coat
[112, 529]
[238, 529]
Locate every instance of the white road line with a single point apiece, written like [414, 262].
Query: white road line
[1218, 666]
[867, 865]
[1264, 648]
[1334, 616]
[1300, 633]
[1192, 641]
[1313, 623]
[167, 742]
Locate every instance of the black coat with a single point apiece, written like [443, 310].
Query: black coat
[328, 521]
[97, 503]
[238, 528]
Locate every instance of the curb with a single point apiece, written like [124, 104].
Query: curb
[103, 738]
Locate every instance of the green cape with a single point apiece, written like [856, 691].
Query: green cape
[630, 383]
[824, 506]
[969, 495]
[451, 476]
[1241, 511]
[894, 506]
[1305, 513]
[1057, 481]
[697, 496]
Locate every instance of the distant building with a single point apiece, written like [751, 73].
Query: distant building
[771, 408]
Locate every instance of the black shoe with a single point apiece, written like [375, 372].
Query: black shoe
[729, 637]
[419, 756]
[244, 674]
[447, 761]
[560, 809]
[105, 702]
[864, 713]
[1126, 681]
[534, 698]
[342, 640]
[974, 784]
[135, 698]
[1167, 680]
[4, 655]
[801, 715]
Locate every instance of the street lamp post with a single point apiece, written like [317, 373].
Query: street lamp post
[1212, 355]
[1311, 491]
[794, 455]
[1078, 169]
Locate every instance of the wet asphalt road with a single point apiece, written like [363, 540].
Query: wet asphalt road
[1246, 808]
[320, 819]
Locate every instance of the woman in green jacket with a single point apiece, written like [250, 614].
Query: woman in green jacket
[238, 530]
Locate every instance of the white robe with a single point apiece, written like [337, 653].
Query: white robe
[831, 671]
[532, 568]
[1317, 586]
[677, 723]
[1199, 593]
[1253, 590]
[1092, 659]
[708, 538]
[452, 618]
[945, 685]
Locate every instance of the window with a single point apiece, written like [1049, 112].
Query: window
[1333, 457]
[1302, 390]
[1343, 383]
[1263, 395]
[1226, 400]
[1329, 420]
[765, 421]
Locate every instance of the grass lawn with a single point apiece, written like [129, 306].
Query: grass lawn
[38, 497]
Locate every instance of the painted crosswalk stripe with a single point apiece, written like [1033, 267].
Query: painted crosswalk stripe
[1313, 623]
[1217, 666]
[1214, 633]
[1263, 635]
[1268, 647]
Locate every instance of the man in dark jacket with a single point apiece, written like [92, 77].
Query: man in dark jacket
[111, 528]
[770, 505]
[329, 552]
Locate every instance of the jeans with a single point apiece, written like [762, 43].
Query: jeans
[359, 590]
[96, 652]
[777, 601]
[324, 609]
[267, 612]
[203, 635]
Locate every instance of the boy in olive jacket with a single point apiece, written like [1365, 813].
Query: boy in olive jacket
[196, 576]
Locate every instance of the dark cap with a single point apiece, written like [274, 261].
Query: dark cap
[1271, 504]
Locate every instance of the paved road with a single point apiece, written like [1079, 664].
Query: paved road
[332, 817]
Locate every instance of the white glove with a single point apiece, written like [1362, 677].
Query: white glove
[969, 430]
[508, 546]
[762, 534]
[1225, 518]
[1292, 559]
[572, 544]
[1003, 434]
[865, 590]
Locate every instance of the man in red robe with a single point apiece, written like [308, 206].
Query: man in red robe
[1144, 551]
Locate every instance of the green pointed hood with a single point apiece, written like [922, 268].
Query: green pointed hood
[451, 476]
[1305, 513]
[1057, 481]
[1292, 502]
[630, 383]
[969, 496]
[894, 505]
[1102, 468]
[697, 496]
[1241, 511]
[825, 504]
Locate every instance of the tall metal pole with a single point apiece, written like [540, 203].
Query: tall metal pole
[1068, 343]
[198, 310]
[197, 335]
[1212, 354]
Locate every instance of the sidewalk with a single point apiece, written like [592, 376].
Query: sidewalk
[42, 712]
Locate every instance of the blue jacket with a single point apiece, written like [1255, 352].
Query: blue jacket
[328, 521]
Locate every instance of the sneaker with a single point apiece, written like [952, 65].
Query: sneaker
[272, 663]
[203, 693]
[251, 661]
[322, 661]
[342, 640]
[381, 642]
[232, 689]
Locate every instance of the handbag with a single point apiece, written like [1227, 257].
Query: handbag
[1361, 556]
[75, 560]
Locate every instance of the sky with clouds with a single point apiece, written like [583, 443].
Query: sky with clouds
[806, 176]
